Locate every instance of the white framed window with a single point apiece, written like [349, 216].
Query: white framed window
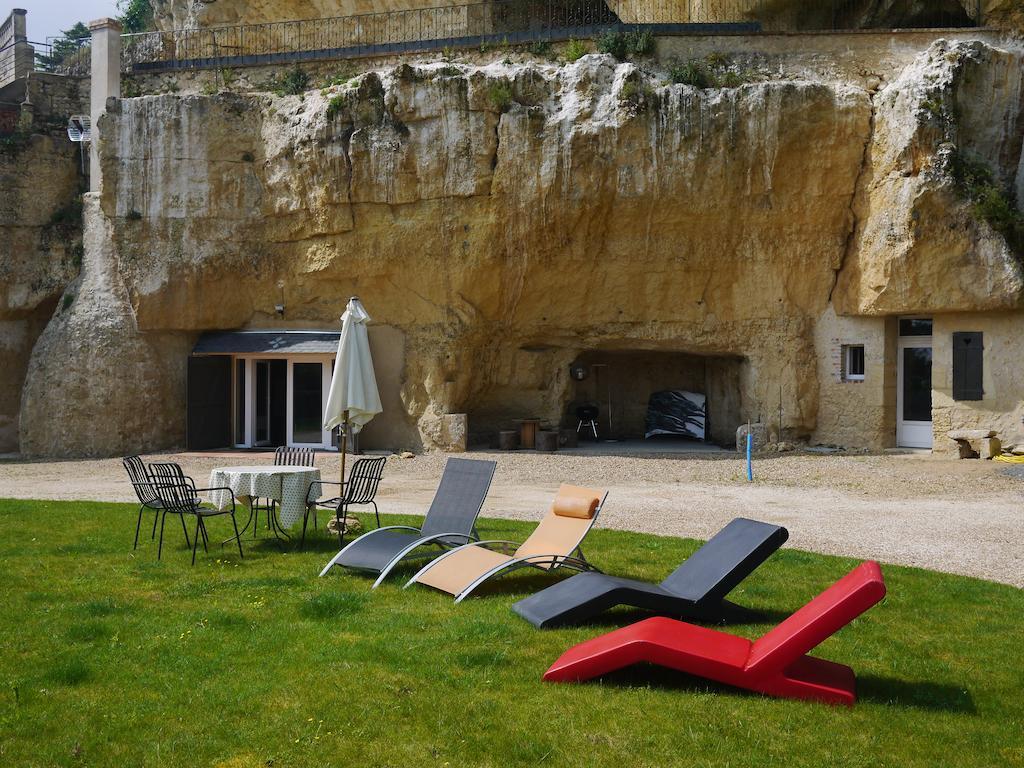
[853, 362]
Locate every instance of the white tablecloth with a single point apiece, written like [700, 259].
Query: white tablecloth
[287, 485]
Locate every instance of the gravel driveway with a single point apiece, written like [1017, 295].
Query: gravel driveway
[959, 516]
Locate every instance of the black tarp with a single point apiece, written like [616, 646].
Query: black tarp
[676, 412]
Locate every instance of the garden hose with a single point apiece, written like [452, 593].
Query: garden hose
[1009, 458]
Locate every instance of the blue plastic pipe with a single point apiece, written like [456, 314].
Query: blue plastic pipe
[750, 466]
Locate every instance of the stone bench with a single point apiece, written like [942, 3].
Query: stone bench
[975, 443]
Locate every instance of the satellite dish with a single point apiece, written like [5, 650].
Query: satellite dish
[79, 128]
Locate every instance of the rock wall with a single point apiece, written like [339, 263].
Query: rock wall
[782, 14]
[503, 220]
[1002, 407]
[856, 413]
[919, 246]
[585, 210]
[95, 386]
[40, 253]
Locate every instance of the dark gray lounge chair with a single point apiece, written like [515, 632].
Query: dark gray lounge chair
[696, 589]
[449, 522]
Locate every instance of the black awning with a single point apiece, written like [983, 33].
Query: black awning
[267, 342]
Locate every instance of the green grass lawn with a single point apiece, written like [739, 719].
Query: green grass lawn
[108, 657]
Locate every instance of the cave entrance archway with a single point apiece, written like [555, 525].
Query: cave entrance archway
[620, 383]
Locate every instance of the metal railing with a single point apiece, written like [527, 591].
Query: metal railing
[495, 21]
[63, 56]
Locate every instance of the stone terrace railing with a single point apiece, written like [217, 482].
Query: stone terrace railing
[474, 24]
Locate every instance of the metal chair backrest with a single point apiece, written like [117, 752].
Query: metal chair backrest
[175, 490]
[294, 457]
[459, 497]
[140, 479]
[364, 479]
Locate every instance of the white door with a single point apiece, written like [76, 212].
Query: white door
[309, 380]
[914, 392]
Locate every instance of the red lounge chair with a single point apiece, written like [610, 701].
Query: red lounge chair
[775, 664]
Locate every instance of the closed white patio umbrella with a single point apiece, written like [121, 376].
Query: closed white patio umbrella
[353, 400]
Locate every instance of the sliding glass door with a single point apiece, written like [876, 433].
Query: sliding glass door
[307, 397]
[281, 401]
[308, 383]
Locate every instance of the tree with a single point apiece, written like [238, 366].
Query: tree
[65, 47]
[136, 15]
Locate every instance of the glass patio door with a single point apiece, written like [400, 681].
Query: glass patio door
[261, 404]
[914, 386]
[307, 392]
[308, 384]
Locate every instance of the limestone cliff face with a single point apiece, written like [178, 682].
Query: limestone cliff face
[919, 246]
[504, 218]
[789, 14]
[499, 221]
[40, 253]
[95, 386]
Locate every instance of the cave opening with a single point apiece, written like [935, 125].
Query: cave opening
[645, 394]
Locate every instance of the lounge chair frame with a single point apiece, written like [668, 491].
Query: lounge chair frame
[776, 664]
[695, 589]
[575, 560]
[406, 552]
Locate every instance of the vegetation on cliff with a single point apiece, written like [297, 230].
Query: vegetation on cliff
[991, 201]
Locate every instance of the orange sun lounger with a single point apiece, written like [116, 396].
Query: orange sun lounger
[776, 664]
[554, 543]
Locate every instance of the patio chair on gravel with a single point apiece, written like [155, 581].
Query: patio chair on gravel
[360, 489]
[696, 589]
[776, 664]
[179, 496]
[142, 483]
[555, 543]
[450, 521]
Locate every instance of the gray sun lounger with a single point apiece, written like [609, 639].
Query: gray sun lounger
[449, 522]
[696, 589]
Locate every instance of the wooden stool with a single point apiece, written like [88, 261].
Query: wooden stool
[528, 433]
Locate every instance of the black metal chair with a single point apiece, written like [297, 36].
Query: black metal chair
[145, 490]
[294, 457]
[285, 456]
[179, 496]
[587, 416]
[359, 490]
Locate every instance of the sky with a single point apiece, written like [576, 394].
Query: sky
[47, 18]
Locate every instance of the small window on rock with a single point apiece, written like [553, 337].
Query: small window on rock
[853, 362]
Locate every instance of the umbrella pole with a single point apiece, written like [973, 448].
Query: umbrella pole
[344, 441]
[342, 507]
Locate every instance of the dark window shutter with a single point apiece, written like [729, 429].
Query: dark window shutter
[968, 365]
[208, 401]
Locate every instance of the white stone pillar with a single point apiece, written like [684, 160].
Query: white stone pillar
[105, 79]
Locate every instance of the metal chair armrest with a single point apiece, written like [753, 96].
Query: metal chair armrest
[317, 483]
[215, 488]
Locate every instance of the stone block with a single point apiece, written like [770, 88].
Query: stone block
[989, 447]
[454, 429]
[970, 434]
[759, 432]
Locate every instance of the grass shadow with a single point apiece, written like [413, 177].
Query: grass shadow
[915, 694]
[887, 691]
